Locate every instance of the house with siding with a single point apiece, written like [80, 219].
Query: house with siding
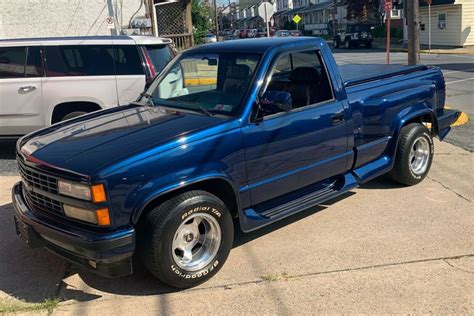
[452, 23]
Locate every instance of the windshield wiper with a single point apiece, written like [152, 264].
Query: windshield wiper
[149, 97]
[205, 111]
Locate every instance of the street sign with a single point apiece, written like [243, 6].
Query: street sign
[296, 19]
[109, 21]
[266, 11]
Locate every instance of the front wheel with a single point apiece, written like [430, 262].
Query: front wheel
[336, 43]
[368, 45]
[186, 240]
[414, 155]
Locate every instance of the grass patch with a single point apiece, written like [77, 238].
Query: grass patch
[47, 304]
[277, 277]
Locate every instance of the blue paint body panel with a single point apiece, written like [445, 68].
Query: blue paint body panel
[140, 153]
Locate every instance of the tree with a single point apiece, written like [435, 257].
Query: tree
[362, 10]
[201, 15]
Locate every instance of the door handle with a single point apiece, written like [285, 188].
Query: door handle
[337, 119]
[26, 89]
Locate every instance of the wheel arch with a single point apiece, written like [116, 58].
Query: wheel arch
[423, 116]
[220, 186]
[63, 108]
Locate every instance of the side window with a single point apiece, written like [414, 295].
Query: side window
[34, 63]
[127, 60]
[12, 62]
[80, 60]
[296, 80]
[160, 55]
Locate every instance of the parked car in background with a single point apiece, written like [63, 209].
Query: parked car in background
[252, 33]
[282, 33]
[263, 32]
[242, 33]
[47, 80]
[354, 36]
[210, 38]
[295, 33]
[275, 128]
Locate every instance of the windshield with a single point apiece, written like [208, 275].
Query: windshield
[212, 83]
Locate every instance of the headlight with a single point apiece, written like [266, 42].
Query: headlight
[100, 217]
[95, 193]
[80, 191]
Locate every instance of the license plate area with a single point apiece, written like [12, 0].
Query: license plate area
[27, 234]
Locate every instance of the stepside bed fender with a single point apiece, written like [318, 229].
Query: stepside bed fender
[404, 117]
[155, 193]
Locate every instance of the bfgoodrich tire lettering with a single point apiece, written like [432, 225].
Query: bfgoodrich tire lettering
[163, 231]
[414, 155]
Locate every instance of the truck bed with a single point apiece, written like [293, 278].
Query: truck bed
[354, 74]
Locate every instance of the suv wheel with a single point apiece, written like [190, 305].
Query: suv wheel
[72, 115]
[414, 155]
[186, 240]
[336, 43]
[347, 44]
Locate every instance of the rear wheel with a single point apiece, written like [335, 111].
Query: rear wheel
[347, 44]
[368, 45]
[336, 43]
[186, 239]
[72, 115]
[414, 155]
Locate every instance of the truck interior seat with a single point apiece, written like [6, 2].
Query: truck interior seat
[236, 78]
[304, 86]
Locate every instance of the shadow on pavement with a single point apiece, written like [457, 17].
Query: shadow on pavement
[7, 149]
[34, 274]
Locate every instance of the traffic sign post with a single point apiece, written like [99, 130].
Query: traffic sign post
[388, 9]
[266, 11]
[297, 20]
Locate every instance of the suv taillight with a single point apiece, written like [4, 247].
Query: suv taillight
[151, 71]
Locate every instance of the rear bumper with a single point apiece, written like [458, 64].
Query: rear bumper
[107, 254]
[445, 118]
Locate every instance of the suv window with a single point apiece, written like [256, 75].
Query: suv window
[80, 60]
[160, 55]
[303, 76]
[127, 60]
[12, 62]
[19, 62]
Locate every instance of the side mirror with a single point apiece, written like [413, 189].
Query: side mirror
[274, 101]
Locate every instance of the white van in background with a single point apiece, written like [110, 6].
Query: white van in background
[47, 80]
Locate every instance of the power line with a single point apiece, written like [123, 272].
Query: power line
[100, 14]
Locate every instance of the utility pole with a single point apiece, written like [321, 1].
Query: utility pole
[216, 20]
[110, 7]
[413, 17]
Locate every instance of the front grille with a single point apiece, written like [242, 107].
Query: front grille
[43, 203]
[38, 180]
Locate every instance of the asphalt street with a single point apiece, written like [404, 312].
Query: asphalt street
[458, 72]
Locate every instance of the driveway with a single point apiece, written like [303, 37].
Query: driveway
[381, 248]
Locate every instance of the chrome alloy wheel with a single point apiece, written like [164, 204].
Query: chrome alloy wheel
[419, 155]
[196, 242]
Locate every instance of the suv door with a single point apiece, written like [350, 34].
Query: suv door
[286, 151]
[21, 106]
[130, 74]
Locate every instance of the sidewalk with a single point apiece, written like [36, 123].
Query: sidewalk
[383, 248]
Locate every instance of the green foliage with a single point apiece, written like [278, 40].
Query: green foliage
[200, 15]
[380, 32]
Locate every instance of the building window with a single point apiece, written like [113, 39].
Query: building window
[442, 20]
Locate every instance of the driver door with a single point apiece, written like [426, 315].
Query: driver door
[288, 150]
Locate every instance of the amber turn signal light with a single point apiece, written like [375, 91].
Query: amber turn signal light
[103, 217]
[98, 193]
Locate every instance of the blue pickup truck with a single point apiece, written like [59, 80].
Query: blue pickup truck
[252, 130]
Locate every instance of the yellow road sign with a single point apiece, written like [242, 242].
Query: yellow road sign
[296, 19]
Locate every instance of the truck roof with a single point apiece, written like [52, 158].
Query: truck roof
[85, 40]
[258, 45]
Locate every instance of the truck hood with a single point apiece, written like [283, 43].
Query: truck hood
[91, 144]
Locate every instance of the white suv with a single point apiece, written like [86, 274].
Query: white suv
[47, 80]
